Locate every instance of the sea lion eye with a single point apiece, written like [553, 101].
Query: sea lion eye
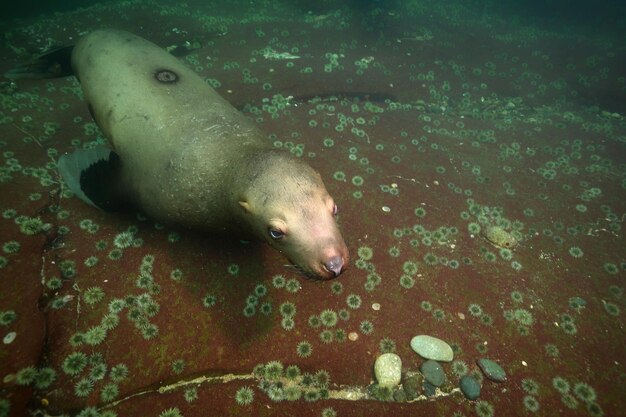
[276, 234]
[335, 210]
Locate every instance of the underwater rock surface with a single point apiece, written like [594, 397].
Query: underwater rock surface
[428, 122]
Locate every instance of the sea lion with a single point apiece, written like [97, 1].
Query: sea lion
[183, 154]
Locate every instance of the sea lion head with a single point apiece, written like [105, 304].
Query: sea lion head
[288, 206]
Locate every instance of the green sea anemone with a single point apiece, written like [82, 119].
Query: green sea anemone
[244, 396]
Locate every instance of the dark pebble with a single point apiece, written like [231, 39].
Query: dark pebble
[469, 387]
[433, 372]
[429, 389]
[492, 370]
[411, 387]
[399, 396]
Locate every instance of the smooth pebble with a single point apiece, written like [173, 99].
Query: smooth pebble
[469, 387]
[492, 370]
[433, 372]
[430, 347]
[388, 370]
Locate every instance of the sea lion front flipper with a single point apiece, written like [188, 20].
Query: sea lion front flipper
[55, 63]
[93, 175]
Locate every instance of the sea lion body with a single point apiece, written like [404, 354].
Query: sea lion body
[179, 141]
[188, 157]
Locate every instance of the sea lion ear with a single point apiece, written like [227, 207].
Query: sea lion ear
[246, 206]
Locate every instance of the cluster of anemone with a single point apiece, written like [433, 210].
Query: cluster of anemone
[93, 295]
[365, 252]
[173, 237]
[89, 226]
[611, 308]
[278, 281]
[304, 349]
[191, 394]
[611, 268]
[459, 368]
[7, 317]
[560, 384]
[328, 318]
[32, 225]
[83, 387]
[486, 319]
[118, 372]
[178, 366]
[426, 305]
[39, 378]
[366, 327]
[74, 363]
[115, 254]
[95, 335]
[409, 268]
[394, 251]
[252, 300]
[98, 371]
[523, 317]
[209, 300]
[353, 301]
[439, 314]
[171, 412]
[124, 240]
[387, 345]
[233, 269]
[109, 392]
[530, 386]
[484, 409]
[336, 288]
[149, 331]
[517, 296]
[314, 321]
[475, 310]
[176, 274]
[372, 281]
[327, 336]
[431, 259]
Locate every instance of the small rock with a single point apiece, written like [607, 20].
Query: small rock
[430, 347]
[499, 237]
[429, 389]
[388, 370]
[411, 387]
[399, 396]
[433, 372]
[469, 387]
[492, 370]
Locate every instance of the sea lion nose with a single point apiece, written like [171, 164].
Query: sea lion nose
[334, 265]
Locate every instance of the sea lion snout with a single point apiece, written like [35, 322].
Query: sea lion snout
[318, 259]
[334, 265]
[332, 259]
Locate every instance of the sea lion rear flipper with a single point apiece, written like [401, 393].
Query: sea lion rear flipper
[93, 175]
[55, 63]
